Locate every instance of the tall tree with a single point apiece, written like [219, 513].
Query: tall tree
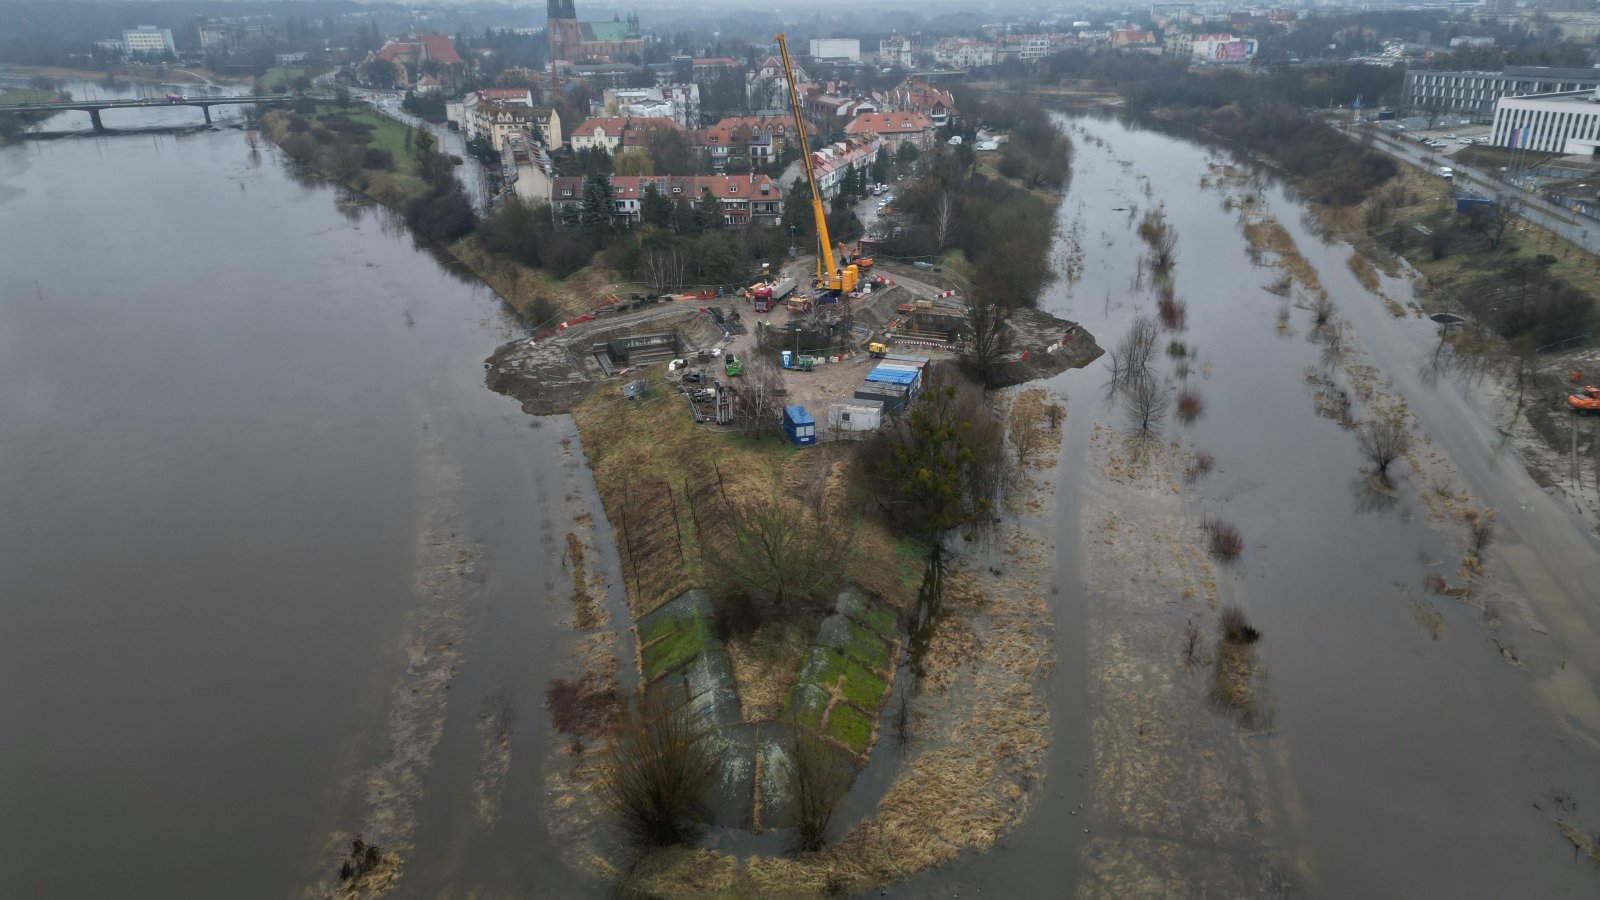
[797, 208]
[708, 214]
[655, 209]
[598, 210]
[880, 166]
[941, 465]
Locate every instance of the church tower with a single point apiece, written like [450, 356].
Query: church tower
[561, 28]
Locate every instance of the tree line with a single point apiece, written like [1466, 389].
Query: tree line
[1002, 228]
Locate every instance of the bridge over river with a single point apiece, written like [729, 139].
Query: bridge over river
[94, 107]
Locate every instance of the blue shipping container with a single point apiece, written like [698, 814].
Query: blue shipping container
[798, 426]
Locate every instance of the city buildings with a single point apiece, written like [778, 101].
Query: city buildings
[572, 41]
[896, 129]
[898, 52]
[745, 199]
[845, 49]
[148, 40]
[1476, 93]
[409, 56]
[495, 121]
[612, 133]
[527, 167]
[1566, 123]
[921, 97]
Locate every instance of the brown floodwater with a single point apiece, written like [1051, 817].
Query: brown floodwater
[216, 385]
[1406, 765]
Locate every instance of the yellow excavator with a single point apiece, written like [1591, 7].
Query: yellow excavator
[830, 277]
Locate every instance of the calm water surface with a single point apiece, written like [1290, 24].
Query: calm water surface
[214, 388]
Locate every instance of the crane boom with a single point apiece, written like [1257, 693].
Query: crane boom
[829, 275]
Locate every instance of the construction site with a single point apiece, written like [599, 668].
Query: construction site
[831, 348]
[855, 344]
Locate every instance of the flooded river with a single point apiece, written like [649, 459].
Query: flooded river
[1400, 764]
[257, 502]
[233, 415]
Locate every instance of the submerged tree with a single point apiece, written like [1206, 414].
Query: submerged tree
[1383, 441]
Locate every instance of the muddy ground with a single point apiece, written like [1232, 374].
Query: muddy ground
[549, 374]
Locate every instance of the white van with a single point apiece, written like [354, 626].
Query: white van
[1447, 173]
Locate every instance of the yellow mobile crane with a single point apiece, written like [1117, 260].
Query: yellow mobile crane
[829, 276]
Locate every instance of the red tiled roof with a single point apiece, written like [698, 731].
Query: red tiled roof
[440, 50]
[504, 94]
[889, 123]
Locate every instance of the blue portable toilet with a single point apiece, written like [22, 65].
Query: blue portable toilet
[798, 425]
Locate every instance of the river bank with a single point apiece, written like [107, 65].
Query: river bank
[531, 293]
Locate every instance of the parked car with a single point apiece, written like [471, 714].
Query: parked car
[923, 265]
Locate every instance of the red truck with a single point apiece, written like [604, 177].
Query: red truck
[769, 295]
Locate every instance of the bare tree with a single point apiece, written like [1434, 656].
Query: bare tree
[1321, 312]
[944, 221]
[988, 342]
[659, 770]
[769, 555]
[758, 398]
[1493, 220]
[664, 268]
[1162, 238]
[1146, 403]
[1130, 359]
[818, 778]
[1383, 441]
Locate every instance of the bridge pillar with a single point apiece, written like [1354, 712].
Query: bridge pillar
[207, 111]
[94, 116]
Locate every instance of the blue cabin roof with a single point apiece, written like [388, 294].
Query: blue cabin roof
[885, 375]
[797, 415]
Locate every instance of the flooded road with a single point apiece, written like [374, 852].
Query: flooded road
[238, 421]
[1406, 755]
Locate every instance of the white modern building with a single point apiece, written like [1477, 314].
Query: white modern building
[148, 40]
[1567, 123]
[1476, 93]
[836, 48]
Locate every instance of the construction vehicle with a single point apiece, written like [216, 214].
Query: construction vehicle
[772, 293]
[830, 277]
[734, 367]
[877, 350]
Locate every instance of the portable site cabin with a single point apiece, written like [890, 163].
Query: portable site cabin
[908, 379]
[798, 426]
[890, 398]
[856, 415]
